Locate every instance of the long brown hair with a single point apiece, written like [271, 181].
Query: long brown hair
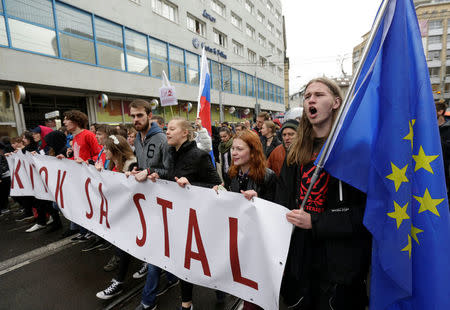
[257, 159]
[120, 150]
[302, 149]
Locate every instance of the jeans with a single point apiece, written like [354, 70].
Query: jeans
[151, 284]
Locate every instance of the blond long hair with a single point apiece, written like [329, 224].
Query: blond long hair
[302, 149]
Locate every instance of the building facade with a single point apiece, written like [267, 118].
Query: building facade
[66, 54]
[434, 23]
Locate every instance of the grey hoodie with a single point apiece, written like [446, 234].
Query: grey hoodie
[153, 152]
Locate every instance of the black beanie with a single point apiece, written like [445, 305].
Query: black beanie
[290, 123]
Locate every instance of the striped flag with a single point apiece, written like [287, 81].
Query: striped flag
[204, 94]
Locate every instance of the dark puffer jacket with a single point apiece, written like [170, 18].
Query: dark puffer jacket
[265, 190]
[193, 164]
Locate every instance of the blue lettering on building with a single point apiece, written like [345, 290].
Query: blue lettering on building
[211, 18]
[196, 43]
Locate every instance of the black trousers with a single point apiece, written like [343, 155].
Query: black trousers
[5, 188]
[27, 202]
[43, 207]
[186, 291]
[124, 263]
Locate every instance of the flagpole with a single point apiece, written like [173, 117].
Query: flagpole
[347, 99]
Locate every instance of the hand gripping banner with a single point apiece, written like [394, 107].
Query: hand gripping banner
[221, 241]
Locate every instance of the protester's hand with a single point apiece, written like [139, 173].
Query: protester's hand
[216, 188]
[60, 156]
[182, 181]
[249, 194]
[79, 161]
[69, 152]
[153, 177]
[127, 173]
[141, 176]
[9, 154]
[34, 153]
[198, 123]
[299, 218]
[98, 166]
[134, 171]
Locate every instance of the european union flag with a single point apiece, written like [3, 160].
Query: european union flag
[390, 133]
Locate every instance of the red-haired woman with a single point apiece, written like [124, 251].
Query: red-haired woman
[249, 174]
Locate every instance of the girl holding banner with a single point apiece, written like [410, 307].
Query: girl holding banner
[187, 165]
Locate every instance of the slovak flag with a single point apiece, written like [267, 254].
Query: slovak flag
[204, 94]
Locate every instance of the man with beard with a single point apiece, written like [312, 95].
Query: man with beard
[151, 153]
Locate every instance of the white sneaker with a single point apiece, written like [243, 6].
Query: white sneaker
[114, 289]
[141, 272]
[34, 228]
[50, 220]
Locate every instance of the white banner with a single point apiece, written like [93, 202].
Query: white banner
[167, 94]
[221, 241]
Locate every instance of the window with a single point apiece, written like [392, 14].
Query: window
[238, 48]
[249, 6]
[262, 40]
[218, 7]
[28, 36]
[280, 71]
[270, 26]
[166, 9]
[272, 48]
[277, 15]
[192, 68]
[242, 87]
[250, 86]
[137, 54]
[234, 81]
[260, 89]
[158, 57]
[75, 34]
[278, 34]
[236, 20]
[447, 88]
[109, 44]
[269, 5]
[272, 67]
[448, 54]
[215, 72]
[226, 78]
[260, 17]
[220, 38]
[435, 72]
[196, 25]
[435, 24]
[266, 90]
[262, 61]
[176, 60]
[251, 56]
[250, 31]
[433, 55]
[434, 39]
[3, 37]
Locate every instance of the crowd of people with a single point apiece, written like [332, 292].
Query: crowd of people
[329, 255]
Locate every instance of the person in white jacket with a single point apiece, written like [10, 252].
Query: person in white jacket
[202, 137]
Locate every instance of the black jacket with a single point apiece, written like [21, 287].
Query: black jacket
[338, 233]
[444, 131]
[192, 163]
[268, 149]
[265, 190]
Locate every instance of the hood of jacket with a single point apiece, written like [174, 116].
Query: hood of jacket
[154, 129]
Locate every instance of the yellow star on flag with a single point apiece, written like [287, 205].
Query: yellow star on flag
[414, 232]
[428, 203]
[410, 135]
[423, 161]
[399, 214]
[408, 247]
[398, 175]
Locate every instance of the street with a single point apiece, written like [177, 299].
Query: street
[41, 270]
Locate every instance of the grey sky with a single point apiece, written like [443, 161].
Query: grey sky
[320, 32]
